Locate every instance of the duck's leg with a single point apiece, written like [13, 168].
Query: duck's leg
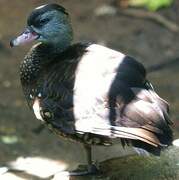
[92, 169]
[88, 156]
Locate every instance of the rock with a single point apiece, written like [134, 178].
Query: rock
[176, 142]
[139, 168]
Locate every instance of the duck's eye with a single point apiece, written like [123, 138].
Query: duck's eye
[43, 22]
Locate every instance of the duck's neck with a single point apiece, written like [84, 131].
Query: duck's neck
[57, 48]
[48, 52]
[62, 44]
[62, 41]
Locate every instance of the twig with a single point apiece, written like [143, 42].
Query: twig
[153, 16]
[163, 65]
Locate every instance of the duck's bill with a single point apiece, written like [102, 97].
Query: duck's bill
[26, 37]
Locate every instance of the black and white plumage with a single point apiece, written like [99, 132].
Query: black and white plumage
[88, 92]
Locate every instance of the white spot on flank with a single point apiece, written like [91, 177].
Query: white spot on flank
[37, 108]
[39, 95]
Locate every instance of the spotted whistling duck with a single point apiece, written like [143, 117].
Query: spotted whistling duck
[87, 92]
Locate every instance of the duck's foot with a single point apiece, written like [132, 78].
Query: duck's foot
[85, 170]
[80, 171]
[38, 129]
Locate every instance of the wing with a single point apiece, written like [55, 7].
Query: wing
[93, 89]
[119, 101]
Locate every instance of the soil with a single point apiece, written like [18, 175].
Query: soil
[147, 41]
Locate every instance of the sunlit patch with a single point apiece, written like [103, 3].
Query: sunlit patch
[3, 170]
[38, 166]
[89, 109]
[62, 175]
[10, 176]
[41, 6]
[176, 142]
[9, 139]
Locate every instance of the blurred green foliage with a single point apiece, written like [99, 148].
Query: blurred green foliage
[152, 5]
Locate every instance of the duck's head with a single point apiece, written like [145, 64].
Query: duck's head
[48, 24]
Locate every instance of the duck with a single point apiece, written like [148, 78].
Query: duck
[89, 93]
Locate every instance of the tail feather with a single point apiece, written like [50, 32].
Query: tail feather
[130, 133]
[139, 134]
[147, 119]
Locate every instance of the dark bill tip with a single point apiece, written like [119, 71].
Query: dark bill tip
[11, 43]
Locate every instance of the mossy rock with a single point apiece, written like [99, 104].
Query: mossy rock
[134, 167]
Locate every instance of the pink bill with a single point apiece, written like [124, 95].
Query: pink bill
[24, 38]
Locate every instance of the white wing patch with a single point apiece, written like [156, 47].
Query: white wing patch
[37, 108]
[94, 75]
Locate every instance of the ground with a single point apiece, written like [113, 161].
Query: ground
[146, 40]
